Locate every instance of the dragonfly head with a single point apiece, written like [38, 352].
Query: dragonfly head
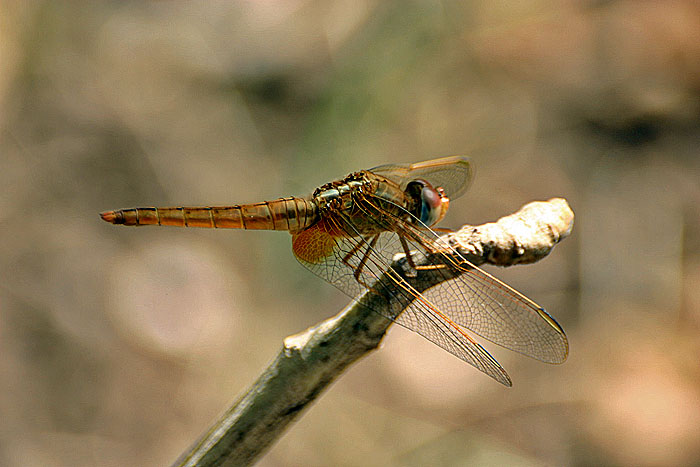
[429, 204]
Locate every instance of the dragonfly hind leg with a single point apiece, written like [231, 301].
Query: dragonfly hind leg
[351, 253]
[363, 260]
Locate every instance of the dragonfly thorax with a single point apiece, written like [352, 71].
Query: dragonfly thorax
[362, 201]
[339, 194]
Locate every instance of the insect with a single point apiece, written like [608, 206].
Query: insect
[348, 232]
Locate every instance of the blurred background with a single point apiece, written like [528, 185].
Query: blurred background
[120, 346]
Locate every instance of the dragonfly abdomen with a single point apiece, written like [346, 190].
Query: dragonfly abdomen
[291, 214]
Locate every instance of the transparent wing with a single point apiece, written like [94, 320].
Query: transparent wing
[480, 302]
[452, 173]
[334, 251]
[495, 311]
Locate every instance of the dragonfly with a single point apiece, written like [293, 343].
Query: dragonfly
[350, 231]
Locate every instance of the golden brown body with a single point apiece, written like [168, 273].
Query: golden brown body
[291, 214]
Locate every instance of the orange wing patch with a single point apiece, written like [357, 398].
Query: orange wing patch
[313, 245]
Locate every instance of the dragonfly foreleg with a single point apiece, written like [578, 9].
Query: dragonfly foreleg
[411, 263]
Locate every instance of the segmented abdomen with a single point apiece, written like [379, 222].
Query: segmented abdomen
[291, 214]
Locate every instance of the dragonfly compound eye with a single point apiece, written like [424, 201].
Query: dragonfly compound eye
[429, 204]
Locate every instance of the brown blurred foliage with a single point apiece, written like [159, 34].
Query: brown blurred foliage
[120, 346]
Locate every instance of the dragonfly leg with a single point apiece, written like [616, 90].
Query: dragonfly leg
[363, 261]
[411, 263]
[407, 252]
[358, 270]
[346, 259]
